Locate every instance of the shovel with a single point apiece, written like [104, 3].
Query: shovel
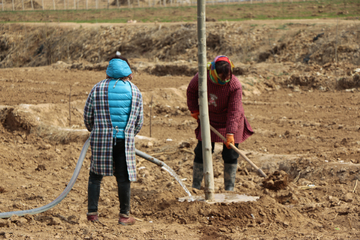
[238, 151]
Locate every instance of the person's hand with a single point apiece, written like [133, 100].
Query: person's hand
[229, 139]
[195, 115]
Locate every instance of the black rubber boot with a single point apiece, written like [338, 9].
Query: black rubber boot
[94, 185]
[198, 173]
[124, 193]
[229, 176]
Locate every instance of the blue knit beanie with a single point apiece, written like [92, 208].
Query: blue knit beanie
[118, 68]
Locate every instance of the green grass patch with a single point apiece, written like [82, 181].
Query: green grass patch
[220, 12]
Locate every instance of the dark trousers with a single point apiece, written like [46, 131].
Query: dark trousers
[229, 156]
[122, 178]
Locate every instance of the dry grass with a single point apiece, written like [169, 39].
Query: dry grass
[40, 46]
[141, 11]
[60, 135]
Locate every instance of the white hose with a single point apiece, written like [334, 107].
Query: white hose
[61, 196]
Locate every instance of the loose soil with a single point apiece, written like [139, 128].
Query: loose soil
[305, 117]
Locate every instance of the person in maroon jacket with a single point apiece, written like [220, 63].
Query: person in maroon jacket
[226, 115]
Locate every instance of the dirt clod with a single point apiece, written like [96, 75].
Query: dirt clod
[276, 181]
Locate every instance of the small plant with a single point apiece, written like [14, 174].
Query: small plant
[282, 27]
[249, 82]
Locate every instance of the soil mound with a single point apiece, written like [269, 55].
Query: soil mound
[242, 43]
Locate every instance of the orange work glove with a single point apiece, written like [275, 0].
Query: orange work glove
[229, 139]
[195, 115]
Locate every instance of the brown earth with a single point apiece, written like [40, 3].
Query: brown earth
[305, 117]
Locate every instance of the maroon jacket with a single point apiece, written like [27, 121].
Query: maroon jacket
[226, 111]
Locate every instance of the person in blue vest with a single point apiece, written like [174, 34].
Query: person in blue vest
[113, 114]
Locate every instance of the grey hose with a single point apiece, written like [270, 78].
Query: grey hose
[72, 182]
[149, 158]
[61, 196]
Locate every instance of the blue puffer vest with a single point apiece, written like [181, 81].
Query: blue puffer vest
[119, 95]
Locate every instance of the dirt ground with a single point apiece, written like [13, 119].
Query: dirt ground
[307, 130]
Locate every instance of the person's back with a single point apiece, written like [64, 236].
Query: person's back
[119, 98]
[113, 114]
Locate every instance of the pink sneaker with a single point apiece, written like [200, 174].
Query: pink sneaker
[92, 217]
[126, 220]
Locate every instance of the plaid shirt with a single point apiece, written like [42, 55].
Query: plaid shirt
[226, 111]
[97, 120]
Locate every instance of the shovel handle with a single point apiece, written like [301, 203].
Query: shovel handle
[238, 151]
